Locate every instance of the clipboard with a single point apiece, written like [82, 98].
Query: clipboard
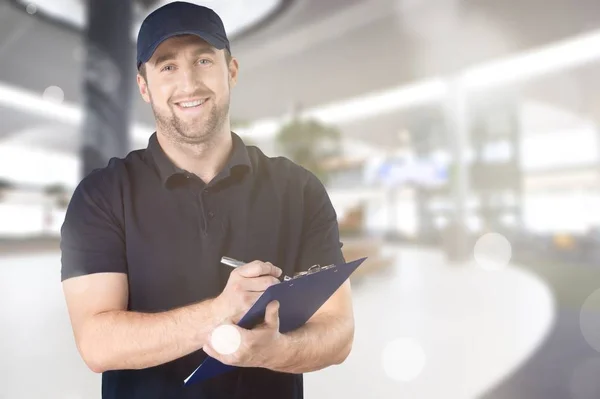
[299, 299]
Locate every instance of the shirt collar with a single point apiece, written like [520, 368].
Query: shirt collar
[167, 170]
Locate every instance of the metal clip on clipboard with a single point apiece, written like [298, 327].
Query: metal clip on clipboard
[313, 269]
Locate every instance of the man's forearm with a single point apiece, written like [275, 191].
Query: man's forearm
[322, 342]
[130, 340]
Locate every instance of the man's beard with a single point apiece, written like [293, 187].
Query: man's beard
[191, 131]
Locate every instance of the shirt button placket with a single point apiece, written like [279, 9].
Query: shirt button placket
[210, 214]
[207, 215]
[203, 220]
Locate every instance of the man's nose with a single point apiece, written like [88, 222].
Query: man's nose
[189, 80]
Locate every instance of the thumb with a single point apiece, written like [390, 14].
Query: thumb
[272, 314]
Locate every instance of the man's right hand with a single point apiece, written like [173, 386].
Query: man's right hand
[245, 285]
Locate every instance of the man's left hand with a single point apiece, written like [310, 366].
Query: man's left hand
[259, 347]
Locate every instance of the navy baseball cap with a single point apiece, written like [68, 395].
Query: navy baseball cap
[179, 18]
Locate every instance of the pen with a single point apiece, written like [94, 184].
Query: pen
[237, 263]
[231, 262]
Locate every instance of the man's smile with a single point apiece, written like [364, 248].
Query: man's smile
[192, 104]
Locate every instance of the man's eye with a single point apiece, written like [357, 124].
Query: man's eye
[167, 68]
[205, 61]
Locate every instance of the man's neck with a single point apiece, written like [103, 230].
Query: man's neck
[205, 160]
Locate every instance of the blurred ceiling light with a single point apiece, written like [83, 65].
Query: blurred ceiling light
[14, 97]
[559, 56]
[261, 129]
[357, 108]
[552, 58]
[346, 111]
[34, 103]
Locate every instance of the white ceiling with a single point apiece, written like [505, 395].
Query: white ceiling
[237, 15]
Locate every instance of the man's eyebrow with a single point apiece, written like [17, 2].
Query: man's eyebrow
[172, 55]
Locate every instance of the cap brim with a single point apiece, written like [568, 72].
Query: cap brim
[208, 37]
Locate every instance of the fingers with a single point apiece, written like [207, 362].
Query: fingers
[248, 298]
[257, 284]
[245, 285]
[272, 314]
[258, 268]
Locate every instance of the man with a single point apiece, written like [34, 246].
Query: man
[143, 237]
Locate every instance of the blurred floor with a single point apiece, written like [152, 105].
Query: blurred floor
[39, 357]
[566, 366]
[468, 330]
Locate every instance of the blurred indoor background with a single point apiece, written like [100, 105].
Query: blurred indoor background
[459, 141]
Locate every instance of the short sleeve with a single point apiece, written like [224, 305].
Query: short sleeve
[92, 238]
[320, 234]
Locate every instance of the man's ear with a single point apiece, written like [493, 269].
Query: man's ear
[233, 72]
[143, 86]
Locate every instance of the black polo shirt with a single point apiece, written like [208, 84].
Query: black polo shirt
[167, 230]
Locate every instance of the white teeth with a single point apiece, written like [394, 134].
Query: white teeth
[192, 103]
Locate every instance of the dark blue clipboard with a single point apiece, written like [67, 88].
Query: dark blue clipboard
[299, 299]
